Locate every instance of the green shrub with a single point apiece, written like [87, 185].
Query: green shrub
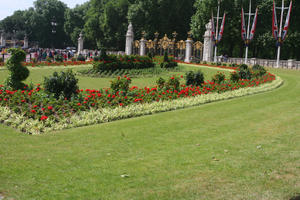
[259, 70]
[243, 67]
[49, 60]
[58, 58]
[218, 63]
[18, 72]
[195, 79]
[219, 78]
[113, 63]
[63, 84]
[168, 65]
[166, 57]
[204, 62]
[80, 58]
[34, 60]
[103, 55]
[234, 77]
[1, 60]
[96, 58]
[245, 74]
[120, 84]
[161, 82]
[173, 83]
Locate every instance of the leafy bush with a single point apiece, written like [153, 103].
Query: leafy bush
[113, 63]
[63, 84]
[259, 70]
[1, 60]
[103, 55]
[166, 57]
[245, 74]
[58, 58]
[243, 67]
[161, 82]
[219, 78]
[96, 58]
[168, 63]
[34, 60]
[120, 84]
[218, 63]
[234, 77]
[18, 72]
[80, 58]
[173, 83]
[195, 79]
[49, 60]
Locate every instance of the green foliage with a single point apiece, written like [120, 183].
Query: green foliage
[80, 57]
[58, 58]
[243, 67]
[62, 84]
[113, 63]
[245, 74]
[103, 55]
[18, 72]
[166, 57]
[161, 82]
[259, 70]
[49, 60]
[173, 83]
[120, 84]
[194, 78]
[219, 78]
[234, 77]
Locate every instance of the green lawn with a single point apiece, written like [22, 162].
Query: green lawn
[244, 148]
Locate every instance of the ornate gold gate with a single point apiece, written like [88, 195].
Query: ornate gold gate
[172, 46]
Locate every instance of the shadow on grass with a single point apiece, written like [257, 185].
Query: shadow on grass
[297, 197]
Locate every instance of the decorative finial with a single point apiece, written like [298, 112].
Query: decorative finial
[174, 34]
[156, 34]
[143, 34]
[189, 35]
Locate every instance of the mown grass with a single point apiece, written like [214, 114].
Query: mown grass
[244, 148]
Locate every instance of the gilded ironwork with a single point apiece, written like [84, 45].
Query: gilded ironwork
[136, 44]
[180, 45]
[150, 44]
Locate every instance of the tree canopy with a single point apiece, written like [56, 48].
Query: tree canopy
[104, 23]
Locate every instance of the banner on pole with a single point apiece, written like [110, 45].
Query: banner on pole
[213, 34]
[253, 26]
[222, 28]
[287, 23]
[274, 24]
[244, 37]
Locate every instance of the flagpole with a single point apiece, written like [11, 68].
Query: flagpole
[248, 31]
[280, 34]
[217, 32]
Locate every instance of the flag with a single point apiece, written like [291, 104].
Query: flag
[287, 23]
[213, 28]
[243, 26]
[222, 28]
[253, 25]
[274, 24]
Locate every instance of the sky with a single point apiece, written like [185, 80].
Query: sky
[7, 7]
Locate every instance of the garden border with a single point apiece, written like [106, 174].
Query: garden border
[104, 115]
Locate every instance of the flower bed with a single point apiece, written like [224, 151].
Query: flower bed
[95, 116]
[38, 106]
[64, 63]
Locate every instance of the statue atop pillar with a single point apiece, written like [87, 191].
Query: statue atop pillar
[80, 43]
[208, 44]
[129, 39]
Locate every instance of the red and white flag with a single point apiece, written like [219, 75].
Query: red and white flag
[274, 24]
[287, 23]
[253, 26]
[213, 37]
[222, 28]
[244, 35]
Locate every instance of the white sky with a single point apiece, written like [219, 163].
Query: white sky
[7, 7]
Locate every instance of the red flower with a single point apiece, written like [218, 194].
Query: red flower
[33, 111]
[79, 104]
[50, 107]
[121, 104]
[35, 106]
[44, 118]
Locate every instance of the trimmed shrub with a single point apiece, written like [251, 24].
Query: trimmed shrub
[63, 84]
[58, 58]
[80, 58]
[168, 63]
[161, 82]
[49, 60]
[245, 74]
[243, 67]
[120, 84]
[219, 78]
[195, 79]
[18, 72]
[258, 70]
[234, 77]
[173, 83]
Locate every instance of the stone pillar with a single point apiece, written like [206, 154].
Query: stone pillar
[3, 42]
[129, 40]
[25, 46]
[253, 61]
[143, 47]
[208, 44]
[188, 48]
[80, 44]
[291, 64]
